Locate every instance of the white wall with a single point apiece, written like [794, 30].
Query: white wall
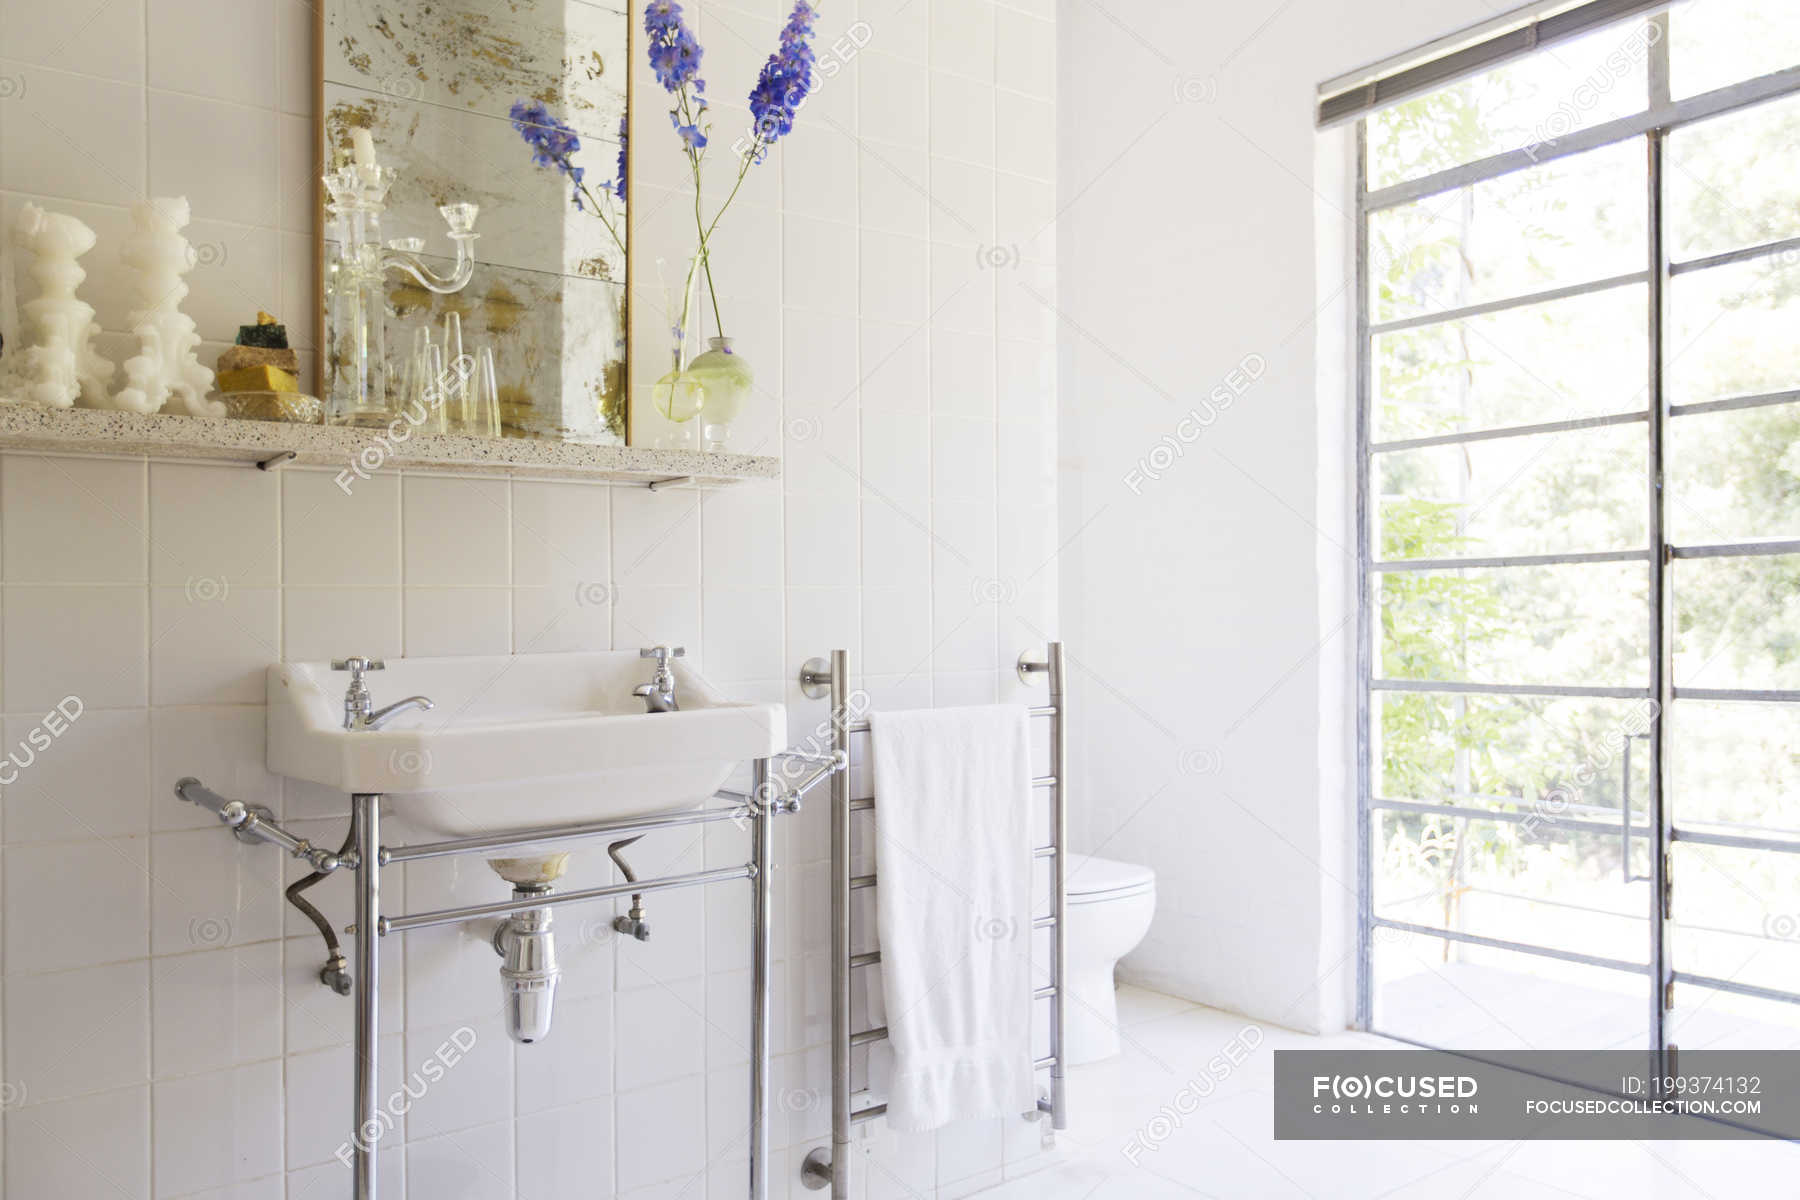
[163, 1031]
[1209, 608]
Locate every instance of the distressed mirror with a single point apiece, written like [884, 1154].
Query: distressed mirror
[478, 102]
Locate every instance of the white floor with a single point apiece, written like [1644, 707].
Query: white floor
[1226, 1149]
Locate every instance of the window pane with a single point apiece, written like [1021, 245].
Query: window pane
[1554, 493]
[1579, 357]
[1716, 43]
[1569, 221]
[1735, 767]
[1733, 330]
[1557, 755]
[1472, 998]
[1731, 180]
[1521, 103]
[1737, 914]
[1719, 1020]
[1580, 624]
[1542, 884]
[1737, 622]
[1734, 475]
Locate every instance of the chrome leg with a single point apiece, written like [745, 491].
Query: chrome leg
[840, 931]
[366, 819]
[1059, 894]
[762, 893]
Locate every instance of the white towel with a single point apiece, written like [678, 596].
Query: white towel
[953, 851]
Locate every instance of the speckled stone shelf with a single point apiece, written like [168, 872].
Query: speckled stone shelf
[92, 431]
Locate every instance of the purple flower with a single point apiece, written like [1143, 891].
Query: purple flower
[786, 80]
[692, 136]
[624, 136]
[553, 143]
[674, 51]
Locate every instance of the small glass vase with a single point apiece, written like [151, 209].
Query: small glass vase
[725, 383]
[677, 396]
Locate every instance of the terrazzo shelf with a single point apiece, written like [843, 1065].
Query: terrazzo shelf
[272, 444]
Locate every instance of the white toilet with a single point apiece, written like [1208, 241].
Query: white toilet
[1110, 906]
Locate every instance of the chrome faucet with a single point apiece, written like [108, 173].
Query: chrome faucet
[357, 701]
[659, 694]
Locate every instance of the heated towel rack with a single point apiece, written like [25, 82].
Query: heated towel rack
[819, 678]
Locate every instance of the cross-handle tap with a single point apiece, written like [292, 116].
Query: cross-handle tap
[359, 712]
[659, 694]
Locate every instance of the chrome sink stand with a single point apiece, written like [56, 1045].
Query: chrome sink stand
[768, 798]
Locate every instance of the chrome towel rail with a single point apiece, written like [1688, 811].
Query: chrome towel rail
[818, 678]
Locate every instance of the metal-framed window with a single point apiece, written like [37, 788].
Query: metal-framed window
[1646, 279]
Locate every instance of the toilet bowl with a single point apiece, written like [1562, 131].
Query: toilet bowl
[1110, 906]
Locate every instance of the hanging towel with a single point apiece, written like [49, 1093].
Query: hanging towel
[953, 852]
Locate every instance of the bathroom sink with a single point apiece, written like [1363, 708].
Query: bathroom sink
[515, 741]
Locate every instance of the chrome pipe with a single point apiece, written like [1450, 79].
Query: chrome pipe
[514, 839]
[506, 908]
[251, 823]
[1039, 710]
[1059, 883]
[762, 917]
[365, 815]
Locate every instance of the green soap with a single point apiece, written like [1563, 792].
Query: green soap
[267, 337]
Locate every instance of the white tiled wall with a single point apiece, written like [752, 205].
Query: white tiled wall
[161, 1030]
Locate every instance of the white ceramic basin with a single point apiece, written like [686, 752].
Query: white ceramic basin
[515, 742]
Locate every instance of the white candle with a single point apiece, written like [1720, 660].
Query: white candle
[362, 145]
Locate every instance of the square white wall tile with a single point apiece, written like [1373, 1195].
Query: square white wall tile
[72, 137]
[91, 1146]
[892, 186]
[818, 266]
[577, 1066]
[449, 620]
[660, 1032]
[215, 1130]
[962, 118]
[186, 133]
[212, 644]
[660, 1133]
[326, 623]
[457, 532]
[1025, 57]
[202, 899]
[88, 782]
[1025, 136]
[656, 538]
[99, 922]
[333, 537]
[895, 366]
[744, 632]
[741, 541]
[85, 642]
[471, 1164]
[234, 60]
[561, 533]
[474, 1078]
[563, 616]
[567, 1151]
[72, 1032]
[214, 523]
[217, 1009]
[68, 38]
[224, 747]
[74, 520]
[892, 92]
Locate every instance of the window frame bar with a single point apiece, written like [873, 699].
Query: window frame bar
[1672, 116]
[1511, 431]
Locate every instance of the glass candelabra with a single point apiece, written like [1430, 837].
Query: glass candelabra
[355, 287]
